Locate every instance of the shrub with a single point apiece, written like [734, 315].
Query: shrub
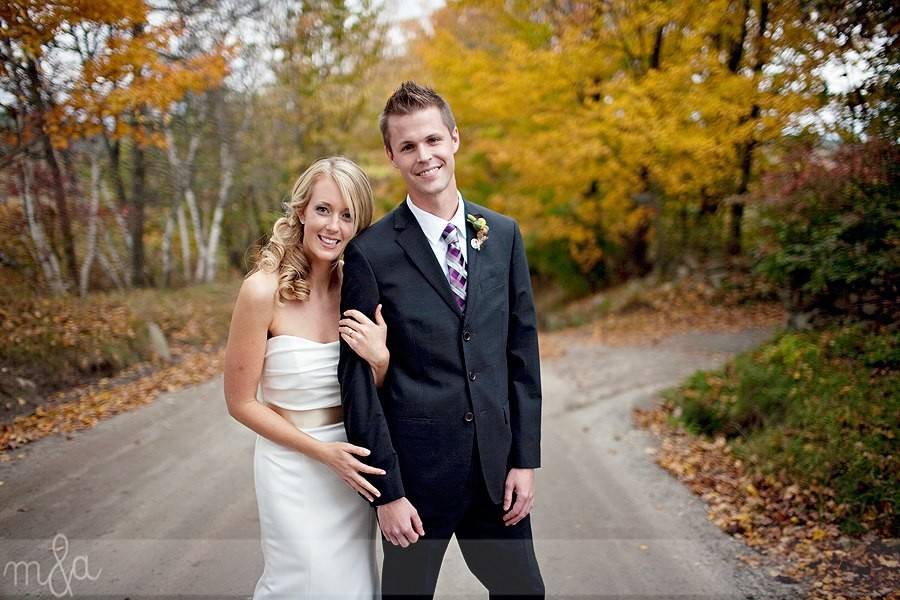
[823, 406]
[833, 222]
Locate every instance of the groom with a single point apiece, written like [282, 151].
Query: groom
[456, 424]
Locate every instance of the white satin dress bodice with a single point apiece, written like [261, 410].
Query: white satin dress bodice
[318, 535]
[300, 374]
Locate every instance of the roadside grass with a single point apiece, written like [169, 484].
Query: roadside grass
[821, 407]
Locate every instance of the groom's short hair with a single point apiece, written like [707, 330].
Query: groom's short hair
[411, 97]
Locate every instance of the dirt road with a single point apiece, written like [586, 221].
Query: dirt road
[159, 502]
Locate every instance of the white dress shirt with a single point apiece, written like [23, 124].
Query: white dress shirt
[433, 228]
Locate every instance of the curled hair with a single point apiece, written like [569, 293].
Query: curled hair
[283, 253]
[411, 97]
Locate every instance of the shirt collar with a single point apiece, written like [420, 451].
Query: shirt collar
[433, 226]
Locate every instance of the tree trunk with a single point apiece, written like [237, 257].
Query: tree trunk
[185, 243]
[121, 225]
[199, 234]
[215, 233]
[136, 216]
[114, 149]
[735, 245]
[166, 249]
[226, 170]
[138, 189]
[114, 264]
[182, 171]
[91, 236]
[46, 257]
[736, 48]
[59, 186]
[734, 240]
[110, 269]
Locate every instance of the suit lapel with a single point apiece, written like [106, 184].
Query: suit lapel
[473, 259]
[418, 250]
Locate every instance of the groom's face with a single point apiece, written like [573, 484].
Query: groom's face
[422, 149]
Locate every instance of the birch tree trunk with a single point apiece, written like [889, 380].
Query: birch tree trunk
[64, 218]
[182, 170]
[199, 235]
[119, 219]
[166, 249]
[113, 265]
[184, 242]
[46, 257]
[110, 269]
[226, 169]
[91, 236]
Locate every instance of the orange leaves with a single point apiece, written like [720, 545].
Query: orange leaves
[689, 304]
[130, 77]
[60, 341]
[95, 402]
[63, 342]
[34, 23]
[129, 72]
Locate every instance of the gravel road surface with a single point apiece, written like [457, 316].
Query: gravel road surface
[159, 502]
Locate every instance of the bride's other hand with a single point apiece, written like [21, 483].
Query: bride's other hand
[367, 339]
[341, 458]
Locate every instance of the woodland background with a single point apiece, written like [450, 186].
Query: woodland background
[150, 144]
[743, 151]
[674, 165]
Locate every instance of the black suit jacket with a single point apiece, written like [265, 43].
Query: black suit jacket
[444, 364]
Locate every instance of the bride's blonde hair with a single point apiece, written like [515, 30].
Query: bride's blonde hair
[283, 253]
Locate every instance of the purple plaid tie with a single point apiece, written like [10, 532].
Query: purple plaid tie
[456, 265]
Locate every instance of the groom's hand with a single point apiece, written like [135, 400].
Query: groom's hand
[400, 522]
[519, 483]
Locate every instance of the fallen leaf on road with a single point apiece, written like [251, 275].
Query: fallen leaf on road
[102, 400]
[792, 525]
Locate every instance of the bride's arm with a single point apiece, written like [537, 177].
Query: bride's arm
[368, 339]
[244, 355]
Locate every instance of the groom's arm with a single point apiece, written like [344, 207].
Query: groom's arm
[523, 361]
[363, 414]
[524, 389]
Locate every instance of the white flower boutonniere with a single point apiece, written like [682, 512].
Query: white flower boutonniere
[479, 224]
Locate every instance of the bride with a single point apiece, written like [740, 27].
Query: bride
[317, 534]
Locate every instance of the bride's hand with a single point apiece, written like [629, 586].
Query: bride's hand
[341, 457]
[367, 339]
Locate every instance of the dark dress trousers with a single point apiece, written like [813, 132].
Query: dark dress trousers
[461, 401]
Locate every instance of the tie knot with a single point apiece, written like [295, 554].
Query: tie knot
[450, 234]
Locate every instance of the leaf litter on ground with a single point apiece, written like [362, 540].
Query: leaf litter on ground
[793, 524]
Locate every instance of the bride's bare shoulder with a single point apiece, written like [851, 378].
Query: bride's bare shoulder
[259, 288]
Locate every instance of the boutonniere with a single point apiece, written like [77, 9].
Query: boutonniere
[479, 224]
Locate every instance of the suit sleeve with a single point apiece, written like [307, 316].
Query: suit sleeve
[363, 413]
[523, 360]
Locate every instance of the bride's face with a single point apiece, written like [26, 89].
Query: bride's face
[327, 222]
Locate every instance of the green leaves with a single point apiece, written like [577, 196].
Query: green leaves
[824, 406]
[836, 227]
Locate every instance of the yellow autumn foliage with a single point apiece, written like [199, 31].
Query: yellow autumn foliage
[583, 120]
[127, 74]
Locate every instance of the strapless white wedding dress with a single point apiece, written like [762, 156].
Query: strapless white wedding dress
[318, 535]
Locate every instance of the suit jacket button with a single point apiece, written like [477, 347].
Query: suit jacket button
[473, 376]
[469, 417]
[467, 336]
